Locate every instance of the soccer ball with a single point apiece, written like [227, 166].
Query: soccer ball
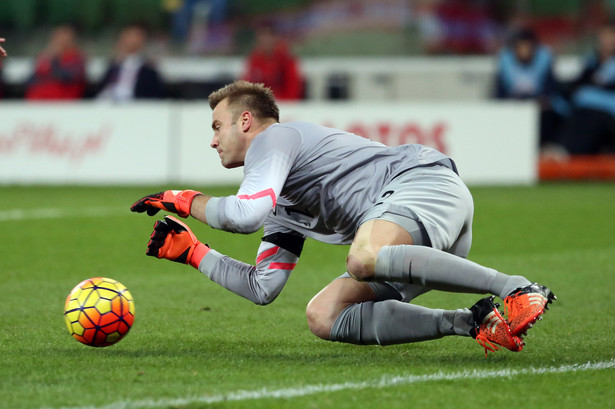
[99, 312]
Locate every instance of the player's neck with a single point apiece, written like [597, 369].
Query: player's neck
[262, 126]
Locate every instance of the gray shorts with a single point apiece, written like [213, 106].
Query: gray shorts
[435, 207]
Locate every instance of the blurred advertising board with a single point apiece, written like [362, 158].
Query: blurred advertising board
[83, 143]
[90, 143]
[492, 143]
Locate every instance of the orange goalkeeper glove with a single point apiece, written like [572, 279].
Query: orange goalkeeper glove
[173, 240]
[176, 201]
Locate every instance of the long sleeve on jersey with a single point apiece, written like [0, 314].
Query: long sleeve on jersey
[267, 165]
[260, 284]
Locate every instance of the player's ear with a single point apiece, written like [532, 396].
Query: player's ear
[245, 121]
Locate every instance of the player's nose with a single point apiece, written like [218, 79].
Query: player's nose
[214, 143]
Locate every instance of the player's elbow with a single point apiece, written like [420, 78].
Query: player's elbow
[268, 291]
[247, 217]
[248, 224]
[264, 301]
[249, 228]
[266, 298]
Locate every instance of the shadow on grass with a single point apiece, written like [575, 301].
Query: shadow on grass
[442, 355]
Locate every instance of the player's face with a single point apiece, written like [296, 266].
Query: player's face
[606, 41]
[228, 140]
[524, 51]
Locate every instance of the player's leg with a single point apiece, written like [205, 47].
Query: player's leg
[357, 312]
[420, 265]
[351, 311]
[438, 198]
[524, 301]
[378, 313]
[443, 204]
[370, 313]
[324, 308]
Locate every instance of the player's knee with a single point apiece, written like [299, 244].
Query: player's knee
[361, 268]
[320, 320]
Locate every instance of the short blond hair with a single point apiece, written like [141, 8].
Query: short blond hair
[247, 96]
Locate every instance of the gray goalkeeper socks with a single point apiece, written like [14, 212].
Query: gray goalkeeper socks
[439, 270]
[395, 322]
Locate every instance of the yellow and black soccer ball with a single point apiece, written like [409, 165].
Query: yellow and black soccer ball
[99, 312]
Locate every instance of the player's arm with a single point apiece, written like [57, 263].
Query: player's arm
[268, 163]
[261, 283]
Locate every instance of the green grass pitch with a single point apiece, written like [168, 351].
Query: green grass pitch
[196, 345]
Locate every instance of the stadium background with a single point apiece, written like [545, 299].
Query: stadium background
[397, 52]
[69, 171]
[316, 30]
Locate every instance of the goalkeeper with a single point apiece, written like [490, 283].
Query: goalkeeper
[404, 210]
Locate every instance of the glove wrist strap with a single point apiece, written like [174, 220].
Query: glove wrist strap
[184, 201]
[198, 254]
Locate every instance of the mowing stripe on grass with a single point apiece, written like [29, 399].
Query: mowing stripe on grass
[58, 213]
[382, 382]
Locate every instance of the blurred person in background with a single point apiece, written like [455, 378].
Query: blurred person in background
[2, 50]
[130, 75]
[525, 72]
[457, 27]
[272, 64]
[59, 73]
[201, 24]
[591, 127]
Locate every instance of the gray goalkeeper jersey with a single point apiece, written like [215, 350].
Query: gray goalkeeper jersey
[300, 180]
[313, 180]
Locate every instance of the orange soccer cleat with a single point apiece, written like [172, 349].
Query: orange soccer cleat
[525, 305]
[490, 328]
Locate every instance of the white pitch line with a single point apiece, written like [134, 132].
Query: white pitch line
[58, 213]
[382, 382]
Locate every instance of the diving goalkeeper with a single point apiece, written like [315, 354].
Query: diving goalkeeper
[404, 210]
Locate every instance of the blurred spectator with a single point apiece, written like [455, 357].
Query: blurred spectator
[130, 75]
[2, 50]
[195, 16]
[457, 27]
[59, 72]
[272, 64]
[525, 71]
[591, 128]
